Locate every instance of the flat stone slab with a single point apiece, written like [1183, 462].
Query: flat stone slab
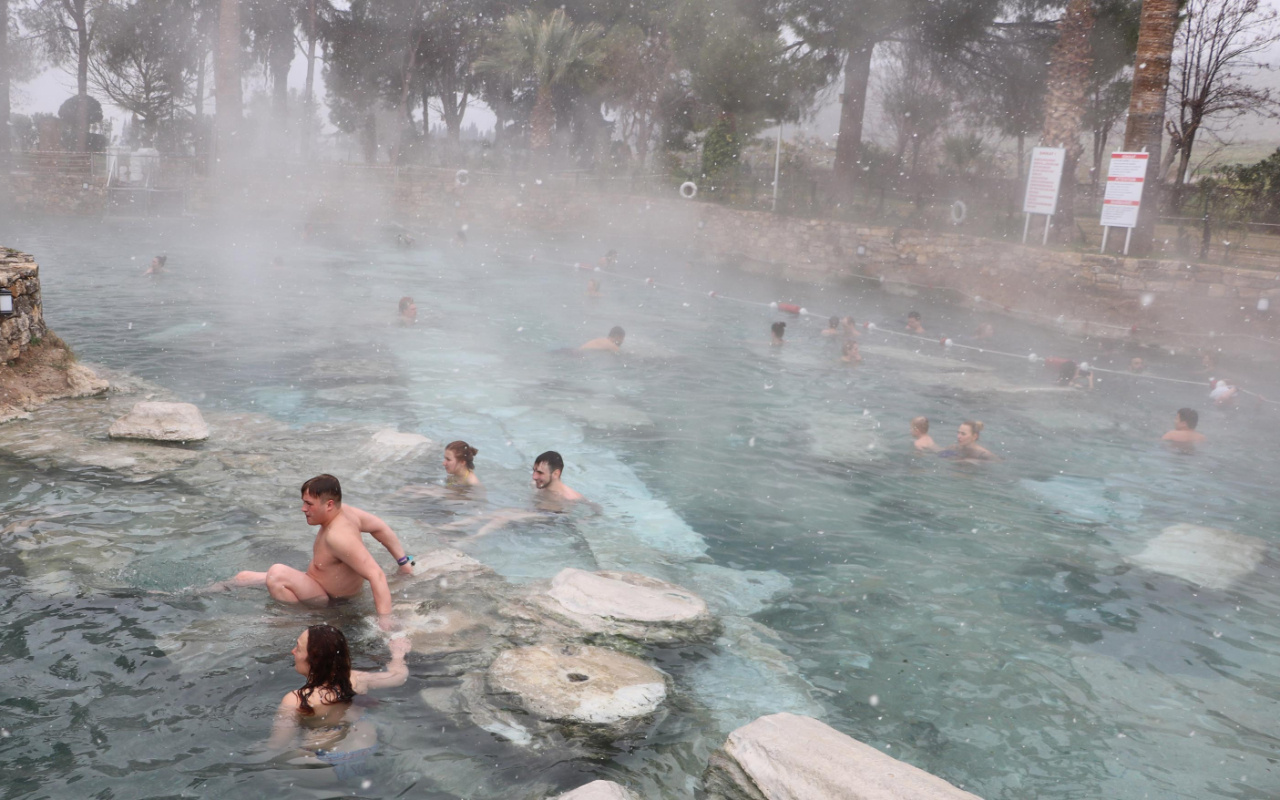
[581, 684]
[627, 604]
[1205, 556]
[790, 757]
[599, 790]
[161, 422]
[391, 444]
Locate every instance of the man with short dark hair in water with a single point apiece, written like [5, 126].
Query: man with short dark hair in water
[833, 327]
[914, 324]
[340, 563]
[1184, 428]
[408, 311]
[610, 344]
[546, 478]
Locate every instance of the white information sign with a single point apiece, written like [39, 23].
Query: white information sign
[1123, 198]
[1043, 180]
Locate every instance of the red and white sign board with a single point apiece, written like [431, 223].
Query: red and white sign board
[1043, 180]
[1123, 198]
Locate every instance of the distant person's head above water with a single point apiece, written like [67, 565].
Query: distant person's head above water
[611, 343]
[1188, 418]
[408, 310]
[833, 327]
[460, 463]
[849, 352]
[1137, 365]
[1184, 427]
[920, 433]
[1066, 373]
[914, 323]
[778, 330]
[157, 265]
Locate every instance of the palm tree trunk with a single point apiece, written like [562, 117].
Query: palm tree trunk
[541, 121]
[1145, 129]
[226, 75]
[82, 77]
[853, 107]
[4, 102]
[1068, 86]
[307, 92]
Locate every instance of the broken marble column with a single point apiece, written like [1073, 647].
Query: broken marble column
[626, 604]
[599, 790]
[790, 757]
[161, 422]
[578, 684]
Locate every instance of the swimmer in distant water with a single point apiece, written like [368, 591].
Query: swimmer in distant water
[1223, 393]
[967, 447]
[1075, 375]
[914, 325]
[323, 710]
[460, 237]
[1137, 366]
[611, 343]
[920, 433]
[408, 311]
[547, 469]
[157, 265]
[404, 241]
[459, 463]
[833, 327]
[848, 327]
[593, 288]
[849, 352]
[985, 331]
[777, 330]
[609, 259]
[1184, 428]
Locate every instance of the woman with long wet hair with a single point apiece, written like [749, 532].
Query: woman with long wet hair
[323, 708]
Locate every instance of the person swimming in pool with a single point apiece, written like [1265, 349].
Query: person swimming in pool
[833, 327]
[547, 469]
[408, 311]
[1184, 428]
[340, 563]
[849, 352]
[776, 333]
[914, 323]
[966, 447]
[609, 344]
[848, 327]
[460, 465]
[157, 265]
[323, 711]
[920, 433]
[593, 288]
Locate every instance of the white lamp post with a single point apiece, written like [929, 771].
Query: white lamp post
[777, 163]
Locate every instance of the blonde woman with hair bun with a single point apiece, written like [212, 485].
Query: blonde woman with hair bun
[967, 446]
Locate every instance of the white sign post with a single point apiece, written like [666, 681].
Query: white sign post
[1126, 177]
[1043, 181]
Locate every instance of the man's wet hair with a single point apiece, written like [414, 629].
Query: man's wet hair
[617, 332]
[778, 329]
[921, 424]
[913, 315]
[324, 487]
[1189, 416]
[552, 459]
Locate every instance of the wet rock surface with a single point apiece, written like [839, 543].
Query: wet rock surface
[599, 790]
[1209, 557]
[626, 604]
[578, 683]
[161, 422]
[790, 757]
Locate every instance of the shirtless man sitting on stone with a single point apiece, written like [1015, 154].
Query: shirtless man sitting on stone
[340, 563]
[1184, 428]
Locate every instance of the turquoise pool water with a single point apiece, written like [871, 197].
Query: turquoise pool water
[993, 624]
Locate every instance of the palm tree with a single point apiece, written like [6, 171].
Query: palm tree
[546, 51]
[1157, 28]
[1070, 63]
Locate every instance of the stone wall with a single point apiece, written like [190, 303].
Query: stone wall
[20, 275]
[48, 192]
